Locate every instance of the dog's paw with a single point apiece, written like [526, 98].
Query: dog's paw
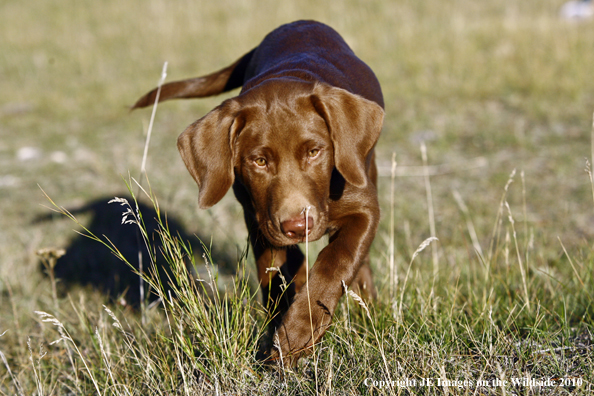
[299, 332]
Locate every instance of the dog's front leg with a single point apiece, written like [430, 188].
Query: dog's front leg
[311, 312]
[281, 274]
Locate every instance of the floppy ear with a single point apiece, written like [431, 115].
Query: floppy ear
[354, 123]
[205, 147]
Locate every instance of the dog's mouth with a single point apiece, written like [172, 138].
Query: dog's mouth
[306, 237]
[281, 240]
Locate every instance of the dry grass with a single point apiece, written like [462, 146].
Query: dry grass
[487, 87]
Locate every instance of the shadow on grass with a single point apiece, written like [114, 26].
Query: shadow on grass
[89, 263]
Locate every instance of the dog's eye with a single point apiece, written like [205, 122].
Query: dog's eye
[313, 153]
[260, 161]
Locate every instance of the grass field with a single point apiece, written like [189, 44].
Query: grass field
[501, 93]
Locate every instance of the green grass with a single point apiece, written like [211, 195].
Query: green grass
[490, 86]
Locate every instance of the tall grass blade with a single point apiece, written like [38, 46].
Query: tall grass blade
[431, 214]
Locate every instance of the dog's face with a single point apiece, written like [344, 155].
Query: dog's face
[284, 157]
[281, 140]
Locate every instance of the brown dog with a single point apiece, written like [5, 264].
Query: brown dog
[297, 146]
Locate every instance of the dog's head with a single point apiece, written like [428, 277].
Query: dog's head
[281, 140]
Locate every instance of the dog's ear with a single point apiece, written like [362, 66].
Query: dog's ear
[354, 123]
[206, 149]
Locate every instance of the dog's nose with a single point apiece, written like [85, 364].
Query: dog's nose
[295, 227]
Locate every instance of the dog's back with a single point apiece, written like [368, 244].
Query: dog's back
[306, 50]
[312, 51]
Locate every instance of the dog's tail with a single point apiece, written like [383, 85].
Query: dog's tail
[213, 84]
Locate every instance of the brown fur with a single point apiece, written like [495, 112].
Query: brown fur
[297, 140]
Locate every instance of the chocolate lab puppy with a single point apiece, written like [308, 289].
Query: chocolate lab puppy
[297, 146]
